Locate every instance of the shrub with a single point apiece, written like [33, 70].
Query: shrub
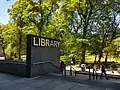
[114, 66]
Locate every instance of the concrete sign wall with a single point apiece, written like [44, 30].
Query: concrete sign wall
[39, 51]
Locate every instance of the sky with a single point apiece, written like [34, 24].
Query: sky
[4, 6]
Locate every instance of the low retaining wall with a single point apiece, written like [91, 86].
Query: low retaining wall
[21, 68]
[13, 67]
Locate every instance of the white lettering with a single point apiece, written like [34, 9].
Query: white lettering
[39, 42]
[42, 42]
[47, 42]
[51, 43]
[34, 42]
[55, 43]
[58, 43]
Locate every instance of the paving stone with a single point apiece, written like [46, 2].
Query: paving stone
[96, 88]
[8, 82]
[64, 86]
[24, 87]
[39, 83]
[51, 85]
[80, 87]
[9, 86]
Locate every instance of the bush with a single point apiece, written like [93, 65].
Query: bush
[118, 69]
[65, 59]
[114, 66]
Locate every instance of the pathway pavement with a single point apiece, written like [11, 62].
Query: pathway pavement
[55, 82]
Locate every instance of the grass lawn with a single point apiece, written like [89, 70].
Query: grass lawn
[90, 59]
[76, 66]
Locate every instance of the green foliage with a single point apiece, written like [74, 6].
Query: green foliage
[84, 27]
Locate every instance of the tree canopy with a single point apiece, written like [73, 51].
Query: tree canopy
[84, 27]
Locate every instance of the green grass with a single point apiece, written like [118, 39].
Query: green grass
[90, 59]
[76, 66]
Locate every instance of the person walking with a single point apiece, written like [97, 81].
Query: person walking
[63, 67]
[95, 68]
[73, 60]
[103, 71]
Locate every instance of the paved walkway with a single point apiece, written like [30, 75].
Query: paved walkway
[55, 82]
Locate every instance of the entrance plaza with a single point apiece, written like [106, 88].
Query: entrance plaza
[56, 82]
[41, 41]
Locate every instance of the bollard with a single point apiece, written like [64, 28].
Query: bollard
[75, 74]
[93, 74]
[89, 74]
[96, 75]
[65, 70]
[70, 71]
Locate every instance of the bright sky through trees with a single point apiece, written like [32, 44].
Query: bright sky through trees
[4, 5]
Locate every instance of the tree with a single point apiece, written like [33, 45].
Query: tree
[82, 26]
[39, 12]
[81, 14]
[16, 13]
[103, 23]
[35, 13]
[109, 25]
[2, 49]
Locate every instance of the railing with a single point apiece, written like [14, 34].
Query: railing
[71, 70]
[94, 74]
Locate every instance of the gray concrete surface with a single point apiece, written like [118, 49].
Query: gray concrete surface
[55, 82]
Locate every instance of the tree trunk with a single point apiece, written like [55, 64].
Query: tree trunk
[84, 44]
[20, 45]
[95, 58]
[86, 17]
[3, 48]
[99, 56]
[83, 53]
[106, 59]
[102, 47]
